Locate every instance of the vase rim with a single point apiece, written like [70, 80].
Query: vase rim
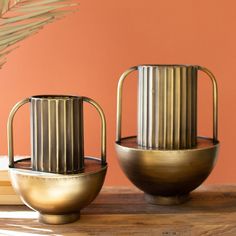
[167, 65]
[55, 97]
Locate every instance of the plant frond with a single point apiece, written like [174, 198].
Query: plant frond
[20, 19]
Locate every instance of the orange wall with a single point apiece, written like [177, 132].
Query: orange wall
[86, 53]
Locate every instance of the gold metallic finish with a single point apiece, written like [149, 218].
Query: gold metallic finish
[167, 106]
[58, 219]
[10, 130]
[164, 129]
[50, 156]
[64, 163]
[167, 159]
[57, 136]
[49, 136]
[119, 101]
[57, 133]
[177, 110]
[54, 184]
[34, 134]
[157, 111]
[40, 142]
[166, 174]
[72, 135]
[215, 101]
[58, 198]
[103, 129]
[166, 200]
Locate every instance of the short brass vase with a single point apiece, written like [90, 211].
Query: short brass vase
[167, 159]
[58, 180]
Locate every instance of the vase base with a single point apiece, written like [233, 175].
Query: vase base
[166, 200]
[58, 219]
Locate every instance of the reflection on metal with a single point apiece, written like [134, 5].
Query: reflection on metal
[57, 139]
[58, 198]
[57, 134]
[167, 107]
[162, 173]
[58, 181]
[167, 159]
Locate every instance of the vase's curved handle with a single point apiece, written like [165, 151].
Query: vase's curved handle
[103, 128]
[119, 101]
[10, 130]
[215, 102]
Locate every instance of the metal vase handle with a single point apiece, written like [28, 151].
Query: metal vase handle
[24, 101]
[215, 101]
[119, 101]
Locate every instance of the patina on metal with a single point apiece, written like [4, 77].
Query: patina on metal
[57, 181]
[57, 133]
[167, 176]
[167, 106]
[167, 159]
[57, 197]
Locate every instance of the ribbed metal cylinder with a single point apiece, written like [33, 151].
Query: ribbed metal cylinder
[57, 134]
[167, 106]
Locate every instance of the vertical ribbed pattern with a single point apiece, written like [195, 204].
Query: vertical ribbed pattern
[167, 107]
[57, 134]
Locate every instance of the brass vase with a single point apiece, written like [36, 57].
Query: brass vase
[57, 181]
[167, 159]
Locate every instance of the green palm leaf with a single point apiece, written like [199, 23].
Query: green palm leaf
[21, 18]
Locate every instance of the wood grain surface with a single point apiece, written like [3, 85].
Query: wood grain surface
[123, 211]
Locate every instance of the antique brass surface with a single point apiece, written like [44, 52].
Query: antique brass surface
[57, 181]
[215, 101]
[167, 105]
[57, 139]
[167, 159]
[57, 134]
[167, 175]
[166, 200]
[119, 101]
[58, 198]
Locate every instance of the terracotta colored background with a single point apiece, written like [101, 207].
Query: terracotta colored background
[86, 53]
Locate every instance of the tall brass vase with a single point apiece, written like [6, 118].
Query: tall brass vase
[167, 159]
[57, 140]
[58, 180]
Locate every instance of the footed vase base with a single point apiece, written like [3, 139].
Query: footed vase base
[166, 200]
[58, 219]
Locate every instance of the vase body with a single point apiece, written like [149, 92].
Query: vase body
[167, 106]
[57, 134]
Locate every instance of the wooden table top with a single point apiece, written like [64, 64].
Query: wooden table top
[123, 211]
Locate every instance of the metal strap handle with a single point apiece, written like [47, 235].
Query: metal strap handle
[103, 127]
[10, 130]
[215, 101]
[24, 101]
[119, 101]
